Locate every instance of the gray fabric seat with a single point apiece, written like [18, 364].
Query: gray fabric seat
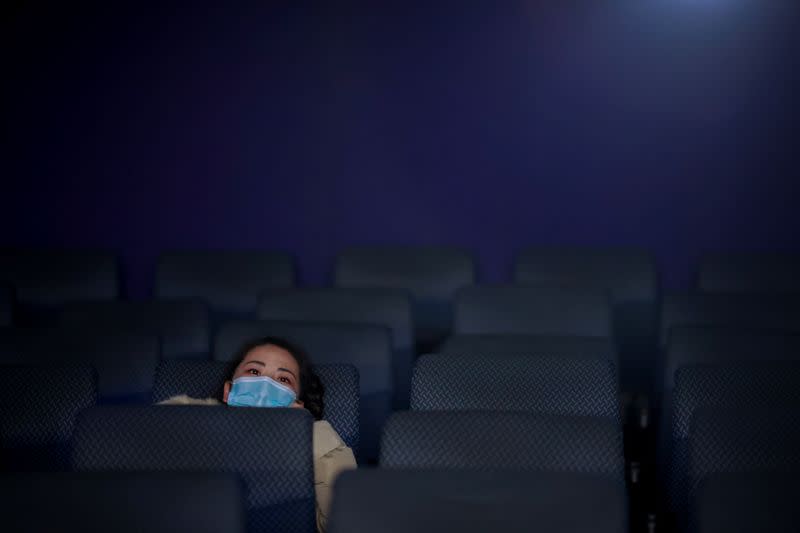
[631, 279]
[269, 449]
[750, 273]
[368, 348]
[687, 346]
[205, 379]
[744, 440]
[769, 313]
[38, 407]
[227, 281]
[125, 362]
[182, 327]
[518, 310]
[560, 345]
[719, 345]
[747, 503]
[46, 280]
[431, 274]
[468, 501]
[390, 308]
[730, 386]
[129, 502]
[502, 440]
[539, 384]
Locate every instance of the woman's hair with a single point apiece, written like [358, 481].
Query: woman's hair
[311, 388]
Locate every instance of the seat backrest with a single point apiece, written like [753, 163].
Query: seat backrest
[125, 362]
[746, 503]
[743, 440]
[750, 273]
[556, 345]
[123, 502]
[502, 440]
[368, 348]
[205, 379]
[684, 309]
[715, 345]
[228, 281]
[538, 384]
[631, 278]
[270, 449]
[390, 308]
[729, 386]
[628, 274]
[432, 274]
[46, 280]
[749, 438]
[6, 306]
[183, 327]
[519, 310]
[397, 501]
[38, 406]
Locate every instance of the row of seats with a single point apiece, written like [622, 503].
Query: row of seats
[278, 478]
[383, 500]
[487, 319]
[125, 340]
[741, 418]
[229, 282]
[545, 385]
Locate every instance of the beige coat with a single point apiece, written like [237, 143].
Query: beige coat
[331, 456]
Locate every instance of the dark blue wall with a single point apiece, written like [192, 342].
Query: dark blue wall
[667, 124]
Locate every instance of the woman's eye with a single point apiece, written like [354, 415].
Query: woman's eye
[285, 380]
[254, 372]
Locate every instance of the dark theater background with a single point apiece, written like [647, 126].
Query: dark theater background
[309, 126]
[519, 265]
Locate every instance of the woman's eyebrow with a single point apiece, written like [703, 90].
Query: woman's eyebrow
[289, 371]
[255, 362]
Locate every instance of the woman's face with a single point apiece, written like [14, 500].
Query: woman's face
[270, 361]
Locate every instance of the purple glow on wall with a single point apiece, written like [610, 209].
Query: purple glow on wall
[311, 126]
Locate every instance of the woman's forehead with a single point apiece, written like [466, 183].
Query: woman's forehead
[271, 355]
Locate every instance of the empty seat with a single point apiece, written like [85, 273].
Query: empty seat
[390, 308]
[46, 280]
[631, 279]
[367, 348]
[494, 345]
[182, 327]
[747, 503]
[683, 309]
[432, 274]
[750, 273]
[729, 386]
[270, 449]
[500, 440]
[162, 502]
[205, 379]
[125, 362]
[744, 440]
[38, 406]
[228, 281]
[465, 501]
[6, 306]
[550, 385]
[518, 310]
[688, 346]
[717, 345]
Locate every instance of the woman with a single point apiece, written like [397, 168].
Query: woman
[271, 372]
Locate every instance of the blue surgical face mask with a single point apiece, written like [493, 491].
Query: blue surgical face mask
[260, 391]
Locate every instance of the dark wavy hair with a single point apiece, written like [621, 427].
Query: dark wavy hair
[312, 391]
